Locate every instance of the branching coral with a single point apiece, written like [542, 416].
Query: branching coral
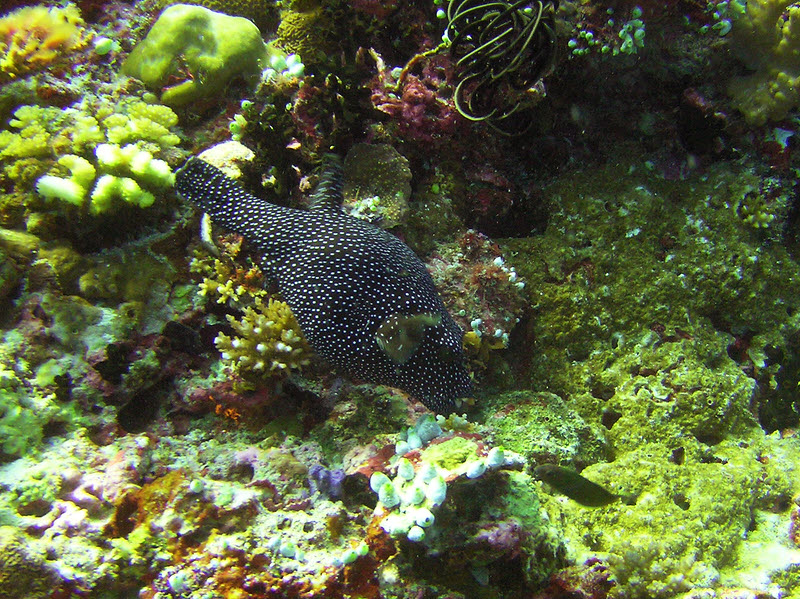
[767, 36]
[107, 151]
[35, 37]
[225, 280]
[269, 340]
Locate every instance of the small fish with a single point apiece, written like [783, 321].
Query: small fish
[365, 302]
[573, 485]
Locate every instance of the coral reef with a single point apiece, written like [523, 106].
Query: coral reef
[110, 154]
[767, 35]
[377, 184]
[37, 37]
[268, 340]
[626, 272]
[200, 49]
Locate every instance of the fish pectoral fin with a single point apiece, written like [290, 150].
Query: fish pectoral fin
[400, 335]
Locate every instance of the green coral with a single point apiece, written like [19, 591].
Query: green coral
[268, 340]
[307, 29]
[23, 573]
[203, 49]
[767, 37]
[107, 152]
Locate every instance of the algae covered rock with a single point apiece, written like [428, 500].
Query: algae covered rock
[377, 184]
[544, 429]
[694, 516]
[214, 48]
[23, 574]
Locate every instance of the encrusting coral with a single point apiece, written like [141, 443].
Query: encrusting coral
[35, 37]
[768, 40]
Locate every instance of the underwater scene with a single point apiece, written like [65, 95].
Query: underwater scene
[400, 299]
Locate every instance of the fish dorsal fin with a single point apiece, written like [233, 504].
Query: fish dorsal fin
[400, 335]
[328, 194]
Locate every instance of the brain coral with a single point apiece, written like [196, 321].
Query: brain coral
[306, 31]
[34, 37]
[21, 570]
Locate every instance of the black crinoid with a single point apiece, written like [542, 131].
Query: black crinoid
[501, 49]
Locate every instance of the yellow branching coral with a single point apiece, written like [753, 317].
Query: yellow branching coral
[767, 37]
[34, 37]
[268, 340]
[224, 279]
[48, 130]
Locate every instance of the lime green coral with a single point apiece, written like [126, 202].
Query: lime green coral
[768, 39]
[37, 131]
[269, 340]
[121, 172]
[203, 49]
[262, 12]
[107, 151]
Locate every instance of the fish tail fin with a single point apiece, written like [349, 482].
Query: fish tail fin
[221, 197]
[328, 194]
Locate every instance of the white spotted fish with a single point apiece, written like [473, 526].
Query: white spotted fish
[363, 299]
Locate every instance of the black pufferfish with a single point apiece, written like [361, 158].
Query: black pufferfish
[365, 302]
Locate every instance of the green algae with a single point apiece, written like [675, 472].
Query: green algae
[450, 454]
[689, 518]
[543, 428]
